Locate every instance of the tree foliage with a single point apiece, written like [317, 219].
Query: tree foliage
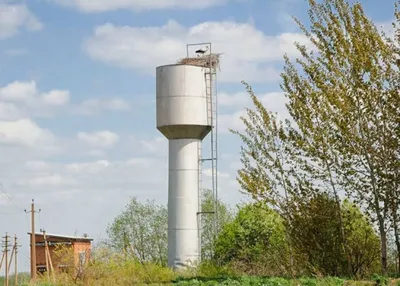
[254, 241]
[211, 222]
[140, 231]
[316, 236]
[362, 241]
[314, 233]
[346, 91]
[343, 136]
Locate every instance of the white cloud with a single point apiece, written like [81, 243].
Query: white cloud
[14, 17]
[25, 132]
[95, 106]
[158, 145]
[208, 173]
[9, 111]
[56, 97]
[19, 91]
[46, 180]
[96, 6]
[134, 175]
[96, 153]
[37, 165]
[231, 121]
[275, 102]
[91, 167]
[237, 99]
[248, 53]
[272, 101]
[145, 177]
[100, 139]
[22, 99]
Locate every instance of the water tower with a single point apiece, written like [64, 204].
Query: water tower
[186, 114]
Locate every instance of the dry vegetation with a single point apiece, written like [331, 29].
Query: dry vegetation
[109, 268]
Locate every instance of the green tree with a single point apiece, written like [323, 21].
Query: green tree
[140, 231]
[316, 237]
[362, 241]
[391, 157]
[208, 223]
[347, 88]
[343, 99]
[254, 241]
[274, 169]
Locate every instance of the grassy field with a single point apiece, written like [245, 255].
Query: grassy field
[132, 273]
[228, 281]
[111, 279]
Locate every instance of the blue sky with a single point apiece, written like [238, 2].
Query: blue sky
[77, 98]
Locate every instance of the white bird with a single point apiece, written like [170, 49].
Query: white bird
[202, 51]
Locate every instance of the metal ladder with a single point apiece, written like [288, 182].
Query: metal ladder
[211, 93]
[214, 148]
[211, 99]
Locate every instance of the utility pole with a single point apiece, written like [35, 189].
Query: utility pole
[11, 259]
[2, 259]
[33, 240]
[6, 241]
[15, 260]
[49, 261]
[45, 253]
[14, 255]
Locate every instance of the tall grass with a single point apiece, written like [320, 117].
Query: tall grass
[113, 270]
[113, 273]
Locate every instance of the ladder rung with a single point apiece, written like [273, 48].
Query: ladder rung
[205, 213]
[209, 159]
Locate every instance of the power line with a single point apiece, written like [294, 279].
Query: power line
[9, 198]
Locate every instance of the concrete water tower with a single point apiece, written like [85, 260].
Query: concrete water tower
[186, 113]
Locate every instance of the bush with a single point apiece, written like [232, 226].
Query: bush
[254, 242]
[380, 280]
[316, 237]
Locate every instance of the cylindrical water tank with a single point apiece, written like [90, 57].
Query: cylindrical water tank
[183, 106]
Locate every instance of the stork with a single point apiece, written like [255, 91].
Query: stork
[202, 51]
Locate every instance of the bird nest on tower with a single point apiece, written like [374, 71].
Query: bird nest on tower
[204, 61]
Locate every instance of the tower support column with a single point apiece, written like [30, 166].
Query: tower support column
[183, 202]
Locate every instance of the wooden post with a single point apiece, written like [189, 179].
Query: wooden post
[11, 259]
[45, 254]
[49, 261]
[5, 256]
[15, 260]
[2, 259]
[33, 241]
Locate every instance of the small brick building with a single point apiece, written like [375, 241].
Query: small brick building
[81, 248]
